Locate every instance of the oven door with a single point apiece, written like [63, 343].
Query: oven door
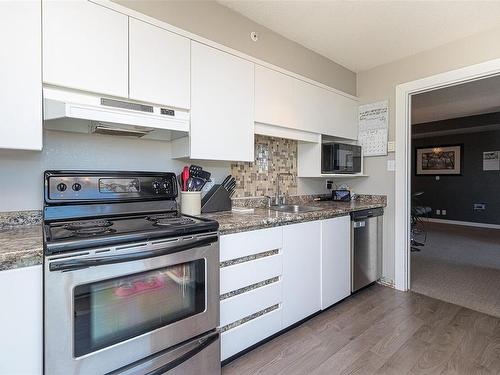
[106, 308]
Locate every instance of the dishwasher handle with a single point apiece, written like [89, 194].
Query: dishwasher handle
[366, 214]
[359, 224]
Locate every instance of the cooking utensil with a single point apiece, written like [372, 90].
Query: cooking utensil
[190, 185]
[185, 177]
[197, 183]
[194, 170]
[197, 171]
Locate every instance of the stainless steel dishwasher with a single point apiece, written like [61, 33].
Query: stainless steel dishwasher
[366, 252]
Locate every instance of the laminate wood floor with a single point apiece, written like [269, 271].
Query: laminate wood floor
[382, 331]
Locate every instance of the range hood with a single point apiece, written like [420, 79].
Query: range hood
[89, 113]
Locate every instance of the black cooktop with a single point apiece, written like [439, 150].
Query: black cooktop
[91, 209]
[80, 234]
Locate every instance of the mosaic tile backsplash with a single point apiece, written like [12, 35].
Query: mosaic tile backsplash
[272, 156]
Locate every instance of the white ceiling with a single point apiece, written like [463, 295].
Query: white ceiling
[363, 34]
[472, 98]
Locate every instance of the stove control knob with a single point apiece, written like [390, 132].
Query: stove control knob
[76, 186]
[61, 187]
[156, 185]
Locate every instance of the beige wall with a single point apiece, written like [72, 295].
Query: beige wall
[220, 24]
[380, 84]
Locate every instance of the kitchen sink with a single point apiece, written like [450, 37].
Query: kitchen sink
[294, 208]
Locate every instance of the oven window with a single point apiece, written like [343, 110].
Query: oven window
[110, 311]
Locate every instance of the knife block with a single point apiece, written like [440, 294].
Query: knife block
[217, 199]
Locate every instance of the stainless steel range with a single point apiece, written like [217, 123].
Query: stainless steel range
[131, 286]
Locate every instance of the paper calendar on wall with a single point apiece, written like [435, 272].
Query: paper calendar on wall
[373, 128]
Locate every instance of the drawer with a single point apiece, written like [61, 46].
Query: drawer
[242, 305]
[247, 273]
[241, 337]
[238, 245]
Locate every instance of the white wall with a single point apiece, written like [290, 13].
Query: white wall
[380, 84]
[225, 26]
[21, 172]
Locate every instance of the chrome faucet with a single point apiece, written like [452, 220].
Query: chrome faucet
[280, 199]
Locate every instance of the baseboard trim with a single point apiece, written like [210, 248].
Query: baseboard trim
[464, 223]
[387, 282]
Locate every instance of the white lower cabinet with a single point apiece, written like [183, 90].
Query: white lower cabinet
[21, 321]
[250, 333]
[250, 287]
[335, 260]
[273, 278]
[301, 271]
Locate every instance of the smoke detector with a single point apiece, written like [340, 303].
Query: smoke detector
[254, 36]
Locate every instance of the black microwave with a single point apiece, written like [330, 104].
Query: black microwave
[340, 158]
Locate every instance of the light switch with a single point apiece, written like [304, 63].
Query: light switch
[391, 146]
[391, 165]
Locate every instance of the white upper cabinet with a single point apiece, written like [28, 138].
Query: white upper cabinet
[20, 75]
[222, 105]
[159, 65]
[274, 98]
[289, 102]
[341, 115]
[85, 47]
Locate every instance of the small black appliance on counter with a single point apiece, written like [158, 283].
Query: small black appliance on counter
[342, 195]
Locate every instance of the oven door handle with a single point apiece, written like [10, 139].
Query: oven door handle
[158, 364]
[76, 264]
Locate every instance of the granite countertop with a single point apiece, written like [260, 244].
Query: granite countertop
[233, 222]
[21, 239]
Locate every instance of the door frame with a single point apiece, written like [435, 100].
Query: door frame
[404, 92]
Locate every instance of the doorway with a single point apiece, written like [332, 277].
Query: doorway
[455, 205]
[404, 93]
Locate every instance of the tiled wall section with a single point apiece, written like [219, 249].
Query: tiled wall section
[272, 156]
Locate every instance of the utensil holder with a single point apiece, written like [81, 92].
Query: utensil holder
[191, 202]
[217, 199]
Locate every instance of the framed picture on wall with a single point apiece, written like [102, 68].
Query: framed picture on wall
[439, 160]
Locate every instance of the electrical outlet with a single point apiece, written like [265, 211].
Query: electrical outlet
[443, 212]
[438, 212]
[479, 206]
[329, 184]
